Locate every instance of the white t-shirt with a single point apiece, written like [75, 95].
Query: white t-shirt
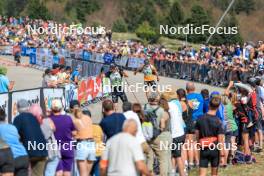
[122, 151]
[132, 115]
[177, 123]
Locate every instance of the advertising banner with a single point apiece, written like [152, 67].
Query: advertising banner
[50, 94]
[32, 96]
[135, 62]
[4, 103]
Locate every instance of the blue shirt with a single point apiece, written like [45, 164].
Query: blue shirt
[10, 135]
[74, 74]
[112, 124]
[198, 104]
[206, 105]
[4, 83]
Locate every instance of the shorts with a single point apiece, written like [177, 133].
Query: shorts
[17, 58]
[21, 165]
[121, 95]
[177, 146]
[65, 164]
[235, 133]
[228, 139]
[190, 129]
[207, 155]
[151, 84]
[244, 128]
[7, 164]
[258, 124]
[85, 150]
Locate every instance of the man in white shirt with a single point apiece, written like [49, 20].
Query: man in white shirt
[129, 114]
[123, 154]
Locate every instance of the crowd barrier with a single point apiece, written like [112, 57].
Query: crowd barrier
[92, 62]
[90, 90]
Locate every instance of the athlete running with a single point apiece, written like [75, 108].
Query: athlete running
[150, 75]
[116, 75]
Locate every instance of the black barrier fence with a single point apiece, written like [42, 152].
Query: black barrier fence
[219, 76]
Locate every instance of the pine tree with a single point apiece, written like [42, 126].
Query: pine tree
[176, 15]
[37, 10]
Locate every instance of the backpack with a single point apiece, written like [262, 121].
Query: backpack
[152, 117]
[240, 158]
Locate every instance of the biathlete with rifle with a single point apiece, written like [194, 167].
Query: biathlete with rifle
[116, 75]
[150, 75]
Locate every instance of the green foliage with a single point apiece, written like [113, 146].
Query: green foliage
[37, 10]
[147, 33]
[244, 6]
[119, 26]
[199, 17]
[176, 15]
[229, 21]
[240, 5]
[85, 7]
[12, 7]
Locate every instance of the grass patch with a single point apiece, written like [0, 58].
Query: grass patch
[171, 44]
[240, 170]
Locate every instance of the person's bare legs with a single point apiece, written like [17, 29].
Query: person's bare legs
[190, 146]
[66, 173]
[245, 137]
[180, 165]
[89, 166]
[202, 171]
[214, 171]
[116, 107]
[59, 173]
[233, 144]
[82, 167]
[7, 174]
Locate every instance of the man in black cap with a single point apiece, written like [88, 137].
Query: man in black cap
[116, 75]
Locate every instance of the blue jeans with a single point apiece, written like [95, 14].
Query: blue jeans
[95, 169]
[51, 166]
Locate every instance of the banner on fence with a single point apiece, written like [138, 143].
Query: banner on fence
[50, 94]
[121, 61]
[32, 96]
[70, 94]
[106, 86]
[86, 55]
[135, 62]
[4, 103]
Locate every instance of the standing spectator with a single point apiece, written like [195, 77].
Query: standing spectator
[48, 129]
[64, 129]
[5, 84]
[17, 53]
[112, 122]
[129, 114]
[85, 153]
[197, 104]
[189, 129]
[154, 110]
[210, 132]
[30, 132]
[98, 136]
[205, 94]
[177, 130]
[9, 134]
[75, 76]
[123, 154]
[6, 160]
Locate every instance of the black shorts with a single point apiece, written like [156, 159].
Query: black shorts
[6, 161]
[243, 128]
[150, 84]
[207, 155]
[17, 58]
[21, 166]
[190, 128]
[258, 124]
[121, 95]
[235, 133]
[177, 146]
